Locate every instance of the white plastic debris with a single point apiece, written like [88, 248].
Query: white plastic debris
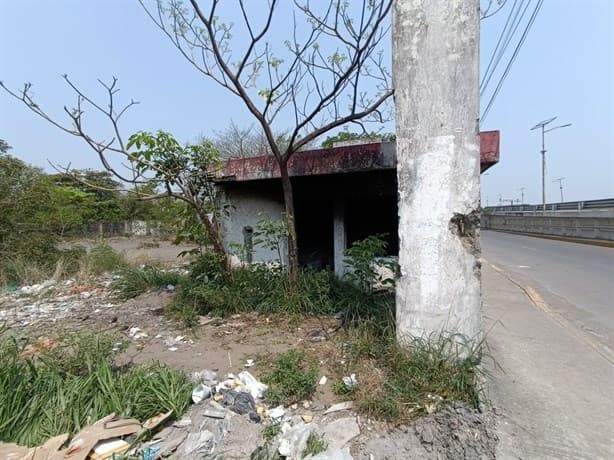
[293, 441]
[339, 406]
[136, 333]
[200, 393]
[249, 363]
[350, 382]
[256, 388]
[276, 414]
[323, 380]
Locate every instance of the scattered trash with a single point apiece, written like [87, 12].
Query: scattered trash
[182, 422]
[172, 349]
[170, 287]
[346, 405]
[249, 363]
[276, 414]
[136, 333]
[293, 440]
[157, 420]
[323, 380]
[239, 402]
[340, 432]
[255, 387]
[214, 413]
[307, 418]
[200, 393]
[107, 449]
[350, 382]
[306, 404]
[195, 443]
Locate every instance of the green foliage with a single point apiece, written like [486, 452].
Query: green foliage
[25, 234]
[271, 234]
[419, 377]
[75, 384]
[134, 281]
[103, 258]
[349, 136]
[253, 288]
[315, 445]
[363, 257]
[293, 378]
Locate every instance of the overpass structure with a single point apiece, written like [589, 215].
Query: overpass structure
[591, 219]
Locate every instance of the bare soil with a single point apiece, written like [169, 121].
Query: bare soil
[224, 345]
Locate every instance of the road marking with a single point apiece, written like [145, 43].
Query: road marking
[539, 303]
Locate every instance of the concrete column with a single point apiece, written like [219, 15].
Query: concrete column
[339, 235]
[435, 70]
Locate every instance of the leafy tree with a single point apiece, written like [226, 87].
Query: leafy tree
[331, 71]
[349, 136]
[24, 206]
[4, 146]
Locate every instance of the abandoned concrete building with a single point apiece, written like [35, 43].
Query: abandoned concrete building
[341, 195]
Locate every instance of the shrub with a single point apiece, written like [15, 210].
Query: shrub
[293, 378]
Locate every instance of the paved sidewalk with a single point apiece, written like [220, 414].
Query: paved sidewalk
[555, 391]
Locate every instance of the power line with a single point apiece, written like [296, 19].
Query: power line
[512, 59]
[509, 33]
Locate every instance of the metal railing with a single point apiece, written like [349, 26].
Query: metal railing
[607, 203]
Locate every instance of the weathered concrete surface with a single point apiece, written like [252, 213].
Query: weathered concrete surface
[339, 160]
[550, 387]
[579, 225]
[435, 69]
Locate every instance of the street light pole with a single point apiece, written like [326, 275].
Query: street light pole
[521, 195]
[542, 125]
[560, 181]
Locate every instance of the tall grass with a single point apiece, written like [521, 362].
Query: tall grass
[72, 385]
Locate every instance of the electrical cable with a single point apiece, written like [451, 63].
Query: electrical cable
[512, 59]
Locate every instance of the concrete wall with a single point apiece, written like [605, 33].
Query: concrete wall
[578, 226]
[243, 212]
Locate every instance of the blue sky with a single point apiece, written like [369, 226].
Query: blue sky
[565, 69]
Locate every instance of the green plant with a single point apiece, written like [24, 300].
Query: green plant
[271, 431]
[103, 258]
[418, 377]
[363, 257]
[293, 378]
[271, 234]
[134, 281]
[48, 392]
[315, 445]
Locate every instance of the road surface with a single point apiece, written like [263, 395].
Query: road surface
[575, 280]
[548, 311]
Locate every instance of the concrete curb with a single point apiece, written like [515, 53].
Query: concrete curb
[568, 239]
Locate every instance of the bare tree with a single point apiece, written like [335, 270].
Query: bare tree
[329, 72]
[145, 161]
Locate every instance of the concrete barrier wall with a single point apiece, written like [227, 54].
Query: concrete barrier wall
[600, 228]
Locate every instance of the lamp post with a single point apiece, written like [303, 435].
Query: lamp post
[542, 125]
[560, 181]
[521, 195]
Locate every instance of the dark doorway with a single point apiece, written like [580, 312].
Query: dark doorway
[366, 216]
[314, 225]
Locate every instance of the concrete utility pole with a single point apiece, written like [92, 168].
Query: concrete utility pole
[542, 125]
[435, 74]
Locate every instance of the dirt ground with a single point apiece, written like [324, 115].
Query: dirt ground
[224, 346]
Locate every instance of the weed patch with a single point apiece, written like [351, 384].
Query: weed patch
[74, 384]
[293, 378]
[399, 383]
[315, 445]
[135, 281]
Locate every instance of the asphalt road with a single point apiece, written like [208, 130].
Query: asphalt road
[575, 281]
